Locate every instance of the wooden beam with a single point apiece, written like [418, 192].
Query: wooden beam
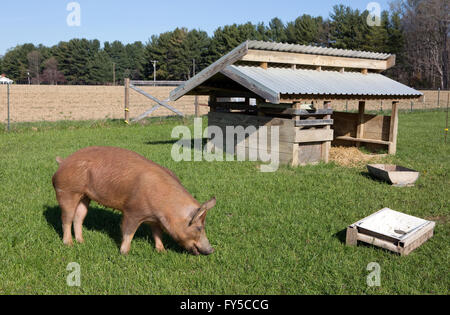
[361, 120]
[390, 62]
[313, 122]
[251, 84]
[298, 112]
[393, 129]
[326, 146]
[317, 60]
[351, 139]
[154, 99]
[230, 58]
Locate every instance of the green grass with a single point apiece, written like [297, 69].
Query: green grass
[274, 233]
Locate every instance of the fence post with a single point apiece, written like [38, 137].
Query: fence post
[446, 120]
[127, 100]
[9, 124]
[412, 104]
[439, 97]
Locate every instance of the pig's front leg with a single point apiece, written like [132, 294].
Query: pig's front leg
[129, 228]
[157, 236]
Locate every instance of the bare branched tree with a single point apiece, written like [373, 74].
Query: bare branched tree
[426, 28]
[34, 65]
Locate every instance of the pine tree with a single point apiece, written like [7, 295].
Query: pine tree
[277, 31]
[306, 30]
[348, 28]
[15, 63]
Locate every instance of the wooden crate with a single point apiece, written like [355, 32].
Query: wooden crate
[386, 229]
[304, 137]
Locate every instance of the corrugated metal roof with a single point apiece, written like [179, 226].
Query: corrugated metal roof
[282, 47]
[313, 82]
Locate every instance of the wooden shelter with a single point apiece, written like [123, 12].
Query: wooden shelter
[292, 86]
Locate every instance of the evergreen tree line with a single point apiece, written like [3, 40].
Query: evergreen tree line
[182, 52]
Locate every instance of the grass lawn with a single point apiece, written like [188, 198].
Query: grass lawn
[274, 233]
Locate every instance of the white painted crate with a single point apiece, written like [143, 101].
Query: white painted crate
[392, 230]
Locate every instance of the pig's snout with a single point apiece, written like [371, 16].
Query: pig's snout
[202, 249]
[207, 251]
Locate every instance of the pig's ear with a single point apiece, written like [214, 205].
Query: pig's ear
[203, 210]
[210, 204]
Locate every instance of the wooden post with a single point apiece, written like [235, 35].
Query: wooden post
[352, 236]
[296, 105]
[212, 103]
[127, 100]
[264, 65]
[394, 129]
[326, 146]
[319, 68]
[197, 111]
[364, 71]
[361, 121]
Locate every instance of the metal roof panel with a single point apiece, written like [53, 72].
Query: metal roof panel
[312, 82]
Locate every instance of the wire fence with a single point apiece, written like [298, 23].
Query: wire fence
[49, 103]
[43, 103]
[432, 99]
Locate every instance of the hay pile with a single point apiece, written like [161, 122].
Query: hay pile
[353, 157]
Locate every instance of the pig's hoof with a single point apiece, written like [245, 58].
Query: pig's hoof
[124, 252]
[80, 241]
[68, 243]
[161, 250]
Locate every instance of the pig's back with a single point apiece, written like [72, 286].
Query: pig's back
[111, 176]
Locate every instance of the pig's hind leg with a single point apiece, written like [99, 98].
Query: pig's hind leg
[68, 203]
[80, 215]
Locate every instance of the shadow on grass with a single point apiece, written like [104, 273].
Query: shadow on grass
[108, 222]
[369, 176]
[341, 236]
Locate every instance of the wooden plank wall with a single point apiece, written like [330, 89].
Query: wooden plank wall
[376, 127]
[287, 132]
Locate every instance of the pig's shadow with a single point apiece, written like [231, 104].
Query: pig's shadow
[106, 221]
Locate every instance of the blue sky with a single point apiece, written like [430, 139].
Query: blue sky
[44, 21]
